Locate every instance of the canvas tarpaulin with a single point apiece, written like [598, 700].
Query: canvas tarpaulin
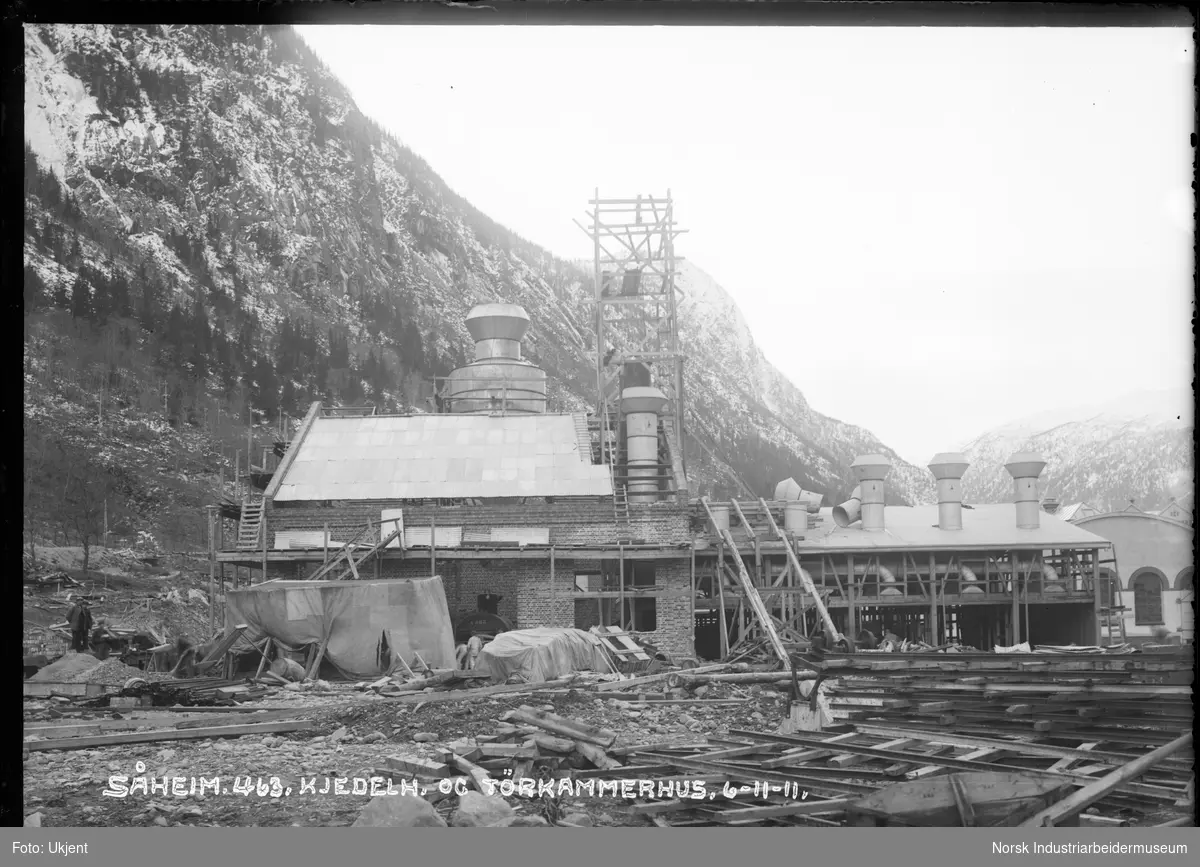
[366, 622]
[541, 654]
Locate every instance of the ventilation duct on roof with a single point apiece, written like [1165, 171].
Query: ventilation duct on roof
[948, 468]
[498, 380]
[867, 501]
[1025, 467]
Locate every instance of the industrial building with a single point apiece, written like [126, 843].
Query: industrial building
[585, 519]
[1149, 585]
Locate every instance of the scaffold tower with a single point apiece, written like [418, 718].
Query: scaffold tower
[637, 332]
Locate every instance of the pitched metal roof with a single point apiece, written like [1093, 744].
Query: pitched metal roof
[443, 456]
[992, 527]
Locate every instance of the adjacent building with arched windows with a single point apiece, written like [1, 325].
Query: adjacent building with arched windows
[1153, 571]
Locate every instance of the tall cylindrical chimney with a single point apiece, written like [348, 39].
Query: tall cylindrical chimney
[948, 469]
[1025, 467]
[642, 406]
[871, 470]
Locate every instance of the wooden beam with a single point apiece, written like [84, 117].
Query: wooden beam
[742, 517]
[798, 808]
[83, 743]
[751, 594]
[798, 572]
[1075, 804]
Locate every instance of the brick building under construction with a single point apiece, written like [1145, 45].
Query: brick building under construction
[536, 518]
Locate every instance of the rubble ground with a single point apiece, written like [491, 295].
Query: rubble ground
[351, 737]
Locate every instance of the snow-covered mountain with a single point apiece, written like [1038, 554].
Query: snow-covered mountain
[1135, 447]
[220, 180]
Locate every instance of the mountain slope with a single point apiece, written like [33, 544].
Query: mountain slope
[1137, 447]
[219, 222]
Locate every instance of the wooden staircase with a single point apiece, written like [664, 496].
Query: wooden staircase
[250, 524]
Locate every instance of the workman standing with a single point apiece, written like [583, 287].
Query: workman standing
[80, 618]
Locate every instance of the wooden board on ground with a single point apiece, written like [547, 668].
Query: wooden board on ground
[150, 737]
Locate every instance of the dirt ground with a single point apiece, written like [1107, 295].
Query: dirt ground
[351, 737]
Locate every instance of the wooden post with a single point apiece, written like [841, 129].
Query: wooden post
[621, 586]
[1097, 598]
[1028, 634]
[263, 528]
[720, 578]
[553, 599]
[432, 548]
[212, 570]
[851, 614]
[237, 475]
[325, 545]
[933, 624]
[692, 598]
[1016, 604]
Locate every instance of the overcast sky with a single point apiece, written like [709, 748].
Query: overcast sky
[932, 231]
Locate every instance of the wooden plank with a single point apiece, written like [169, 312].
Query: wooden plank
[799, 808]
[467, 694]
[150, 737]
[650, 809]
[512, 751]
[417, 766]
[311, 674]
[963, 740]
[655, 678]
[45, 689]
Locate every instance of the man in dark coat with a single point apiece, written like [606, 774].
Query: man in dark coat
[80, 618]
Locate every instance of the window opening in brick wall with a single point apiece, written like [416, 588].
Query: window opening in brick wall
[642, 612]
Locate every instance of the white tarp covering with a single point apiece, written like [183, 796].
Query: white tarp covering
[541, 654]
[1023, 647]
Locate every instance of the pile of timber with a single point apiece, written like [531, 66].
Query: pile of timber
[1135, 700]
[817, 778]
[526, 744]
[198, 691]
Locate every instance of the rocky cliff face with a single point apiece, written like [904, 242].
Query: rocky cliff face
[1137, 447]
[211, 201]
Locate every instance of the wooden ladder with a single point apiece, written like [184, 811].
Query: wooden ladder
[250, 524]
[1113, 615]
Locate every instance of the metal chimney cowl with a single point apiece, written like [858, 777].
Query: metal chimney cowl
[870, 472]
[1025, 468]
[948, 469]
[498, 379]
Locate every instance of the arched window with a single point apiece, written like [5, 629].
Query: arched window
[1183, 581]
[1147, 585]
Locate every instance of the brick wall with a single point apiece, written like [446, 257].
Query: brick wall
[570, 521]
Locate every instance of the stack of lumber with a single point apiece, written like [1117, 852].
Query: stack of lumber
[1136, 700]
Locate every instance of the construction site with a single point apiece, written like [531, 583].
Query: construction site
[498, 592]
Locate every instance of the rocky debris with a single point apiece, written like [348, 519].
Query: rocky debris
[425, 737]
[481, 811]
[72, 668]
[399, 811]
[113, 672]
[581, 819]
